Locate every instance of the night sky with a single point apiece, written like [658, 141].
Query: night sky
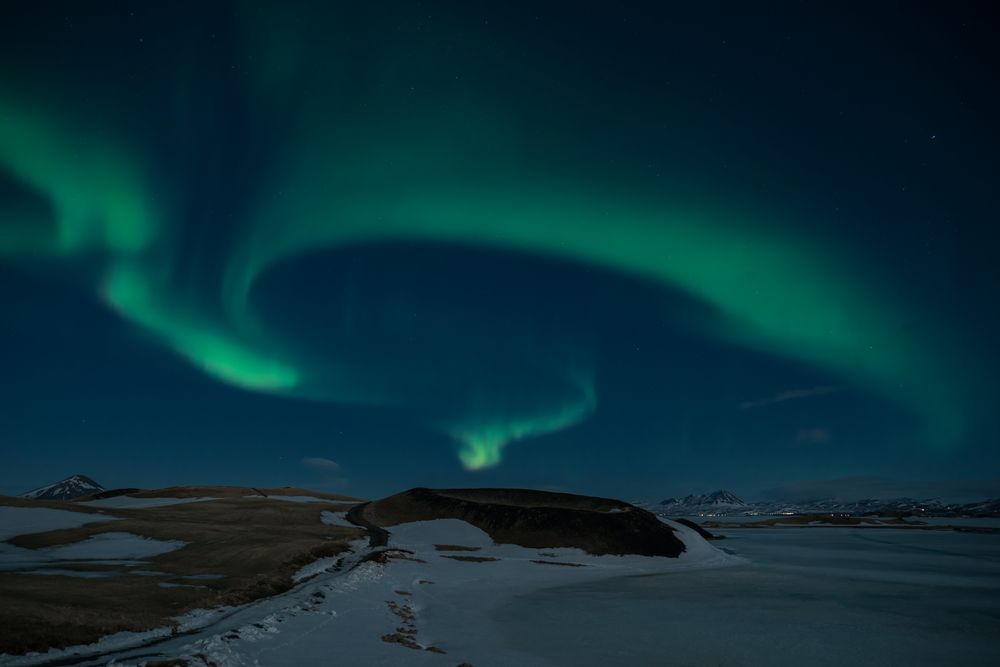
[632, 249]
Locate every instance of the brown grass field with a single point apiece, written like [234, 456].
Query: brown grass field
[554, 562]
[257, 544]
[235, 492]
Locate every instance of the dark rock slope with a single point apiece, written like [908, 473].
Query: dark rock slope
[535, 519]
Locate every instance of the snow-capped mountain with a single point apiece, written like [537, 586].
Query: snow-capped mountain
[720, 501]
[67, 489]
[983, 508]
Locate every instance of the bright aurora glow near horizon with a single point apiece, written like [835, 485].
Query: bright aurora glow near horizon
[596, 249]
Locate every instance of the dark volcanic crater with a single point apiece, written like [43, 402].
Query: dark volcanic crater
[535, 519]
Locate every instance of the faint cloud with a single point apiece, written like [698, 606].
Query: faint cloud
[813, 436]
[328, 470]
[789, 395]
[320, 463]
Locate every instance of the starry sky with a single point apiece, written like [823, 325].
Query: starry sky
[637, 249]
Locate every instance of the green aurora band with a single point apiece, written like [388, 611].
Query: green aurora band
[773, 290]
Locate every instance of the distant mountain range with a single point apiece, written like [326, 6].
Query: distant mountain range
[66, 489]
[717, 502]
[725, 503]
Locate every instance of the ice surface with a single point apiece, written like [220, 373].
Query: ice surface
[969, 522]
[814, 596]
[26, 520]
[107, 549]
[112, 546]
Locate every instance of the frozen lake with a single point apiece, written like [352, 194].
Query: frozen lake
[814, 596]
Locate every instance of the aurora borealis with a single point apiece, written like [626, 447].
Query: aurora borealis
[435, 220]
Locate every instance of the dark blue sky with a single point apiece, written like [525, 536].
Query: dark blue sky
[636, 251]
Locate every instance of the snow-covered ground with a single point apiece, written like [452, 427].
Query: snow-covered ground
[818, 596]
[440, 605]
[105, 549]
[446, 603]
[115, 548]
[26, 520]
[108, 546]
[336, 519]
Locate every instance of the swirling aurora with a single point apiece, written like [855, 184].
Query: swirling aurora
[339, 180]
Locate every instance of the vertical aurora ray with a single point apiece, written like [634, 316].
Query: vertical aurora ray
[482, 439]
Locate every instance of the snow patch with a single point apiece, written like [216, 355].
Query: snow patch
[123, 549]
[314, 568]
[335, 519]
[27, 520]
[112, 546]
